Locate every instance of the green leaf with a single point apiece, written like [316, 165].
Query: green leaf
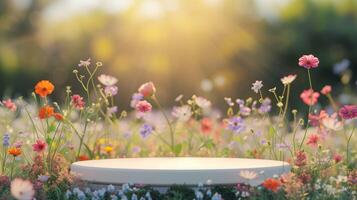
[177, 149]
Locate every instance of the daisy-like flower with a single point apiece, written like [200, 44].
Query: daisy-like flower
[236, 124]
[332, 123]
[39, 146]
[309, 97]
[348, 111]
[147, 89]
[182, 113]
[312, 140]
[309, 61]
[249, 175]
[286, 80]
[22, 189]
[14, 151]
[272, 184]
[256, 86]
[84, 63]
[45, 112]
[9, 104]
[44, 88]
[326, 90]
[202, 102]
[77, 101]
[107, 80]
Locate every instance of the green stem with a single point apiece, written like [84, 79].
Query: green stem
[348, 145]
[12, 167]
[172, 136]
[310, 107]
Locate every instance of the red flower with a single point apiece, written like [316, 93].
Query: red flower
[206, 125]
[272, 184]
[83, 158]
[309, 61]
[77, 101]
[39, 146]
[58, 116]
[45, 112]
[312, 140]
[348, 112]
[309, 97]
[301, 159]
[337, 158]
[326, 90]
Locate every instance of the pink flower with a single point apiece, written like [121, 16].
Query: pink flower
[348, 111]
[309, 61]
[312, 140]
[39, 146]
[286, 80]
[337, 158]
[316, 119]
[326, 90]
[9, 105]
[300, 159]
[143, 106]
[309, 97]
[78, 102]
[147, 89]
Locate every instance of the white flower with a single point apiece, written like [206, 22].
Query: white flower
[183, 113]
[107, 80]
[229, 101]
[257, 85]
[202, 102]
[249, 175]
[286, 80]
[22, 189]
[332, 123]
[84, 63]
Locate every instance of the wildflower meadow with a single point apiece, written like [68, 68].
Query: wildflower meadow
[42, 137]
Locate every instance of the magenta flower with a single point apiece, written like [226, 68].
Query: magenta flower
[326, 90]
[39, 146]
[309, 97]
[348, 111]
[309, 61]
[77, 101]
[143, 106]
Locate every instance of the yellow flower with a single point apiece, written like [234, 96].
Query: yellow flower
[108, 149]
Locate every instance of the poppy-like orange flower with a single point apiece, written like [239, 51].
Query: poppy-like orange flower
[83, 158]
[14, 151]
[45, 112]
[44, 88]
[272, 184]
[58, 116]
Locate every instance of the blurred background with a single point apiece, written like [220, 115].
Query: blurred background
[213, 48]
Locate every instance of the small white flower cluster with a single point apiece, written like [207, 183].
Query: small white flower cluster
[335, 187]
[103, 193]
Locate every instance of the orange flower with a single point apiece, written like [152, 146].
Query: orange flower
[58, 116]
[83, 158]
[14, 151]
[45, 112]
[44, 88]
[272, 184]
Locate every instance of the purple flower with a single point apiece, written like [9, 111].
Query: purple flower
[236, 124]
[244, 111]
[6, 140]
[112, 110]
[146, 130]
[135, 99]
[282, 146]
[111, 90]
[265, 106]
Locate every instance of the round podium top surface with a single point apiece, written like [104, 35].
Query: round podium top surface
[176, 170]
